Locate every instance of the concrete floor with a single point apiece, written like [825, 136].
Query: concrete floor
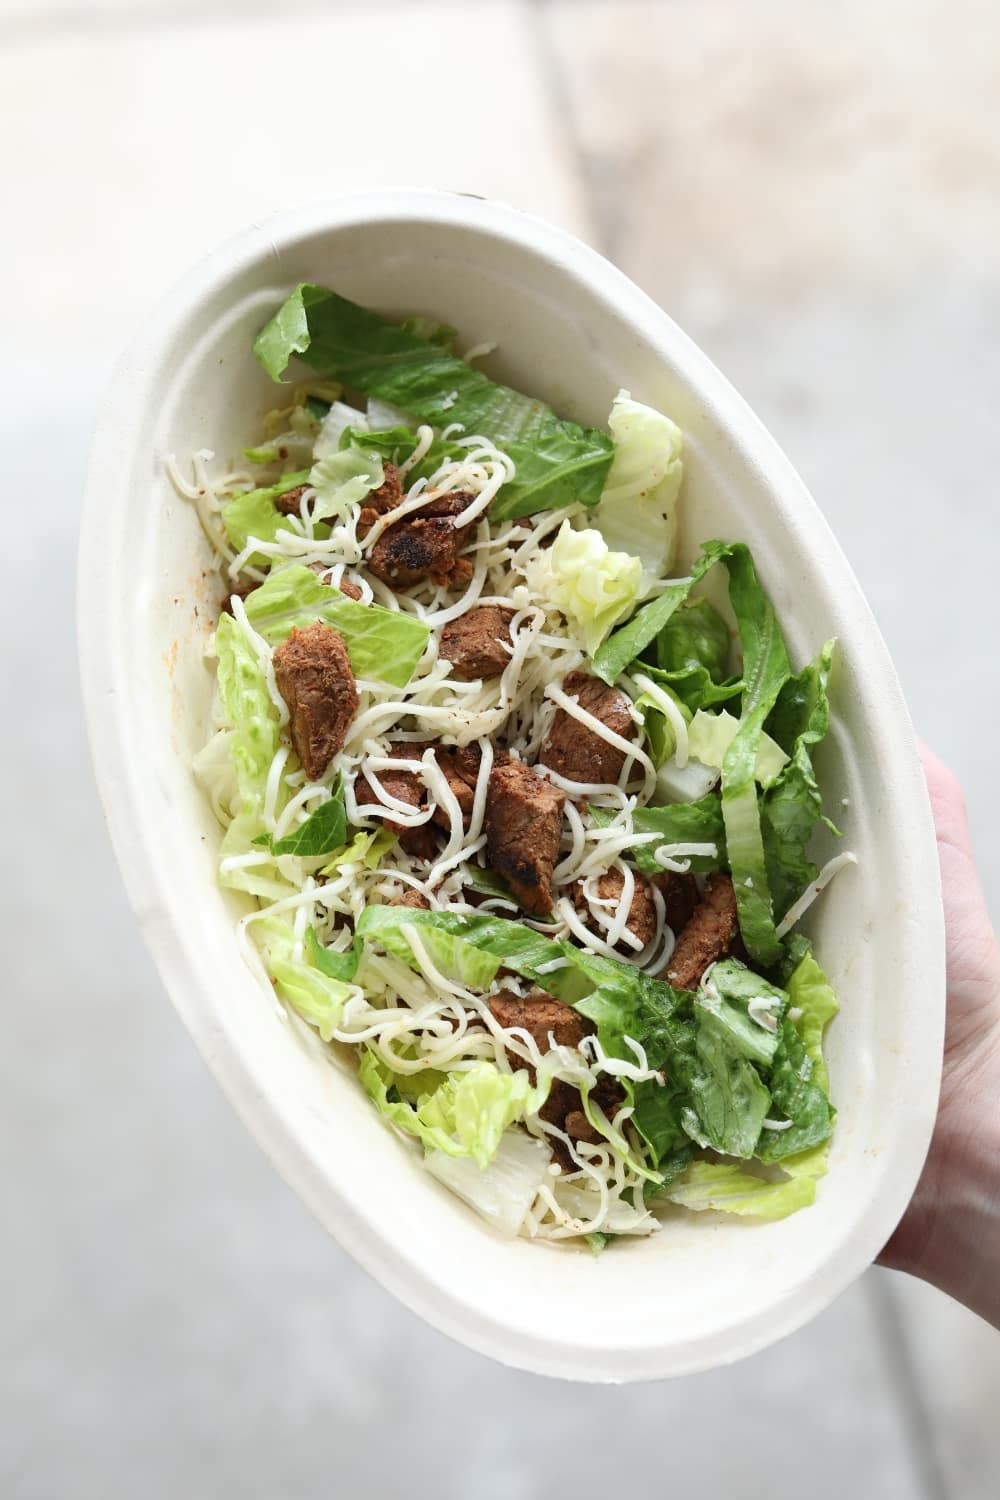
[811, 191]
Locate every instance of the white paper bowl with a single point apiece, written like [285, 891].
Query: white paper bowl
[572, 329]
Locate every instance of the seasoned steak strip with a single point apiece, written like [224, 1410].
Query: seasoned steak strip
[289, 503]
[576, 752]
[713, 932]
[475, 642]
[389, 493]
[523, 828]
[680, 897]
[313, 673]
[542, 1016]
[406, 787]
[425, 544]
[641, 921]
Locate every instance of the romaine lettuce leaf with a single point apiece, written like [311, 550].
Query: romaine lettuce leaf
[318, 997]
[335, 964]
[593, 586]
[320, 833]
[558, 463]
[638, 510]
[254, 514]
[731, 1189]
[461, 944]
[247, 705]
[793, 806]
[343, 479]
[503, 1191]
[690, 656]
[382, 643]
[466, 1115]
[796, 1097]
[365, 848]
[711, 734]
[679, 823]
[765, 669]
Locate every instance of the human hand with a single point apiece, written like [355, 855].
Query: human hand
[950, 1234]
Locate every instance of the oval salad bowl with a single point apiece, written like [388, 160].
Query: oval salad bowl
[707, 1287]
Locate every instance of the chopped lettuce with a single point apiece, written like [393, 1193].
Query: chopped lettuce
[558, 463]
[343, 479]
[247, 705]
[320, 833]
[638, 510]
[659, 731]
[316, 996]
[341, 963]
[365, 849]
[710, 736]
[460, 944]
[254, 514]
[382, 643]
[503, 1191]
[466, 1115]
[697, 822]
[792, 806]
[593, 586]
[730, 1188]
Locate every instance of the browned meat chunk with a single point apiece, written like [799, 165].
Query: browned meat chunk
[713, 932]
[424, 545]
[641, 921]
[475, 642]
[406, 787]
[313, 673]
[289, 503]
[576, 752]
[523, 829]
[240, 590]
[412, 550]
[389, 493]
[461, 768]
[680, 897]
[415, 899]
[345, 585]
[542, 1016]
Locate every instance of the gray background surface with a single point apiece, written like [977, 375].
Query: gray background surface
[811, 190]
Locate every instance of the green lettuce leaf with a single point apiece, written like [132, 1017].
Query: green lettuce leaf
[247, 705]
[318, 997]
[343, 479]
[365, 849]
[254, 514]
[679, 823]
[466, 1115]
[382, 643]
[711, 734]
[622, 648]
[341, 965]
[468, 949]
[558, 463]
[690, 656]
[394, 445]
[723, 1006]
[793, 806]
[593, 586]
[731, 1189]
[765, 670]
[638, 510]
[320, 833]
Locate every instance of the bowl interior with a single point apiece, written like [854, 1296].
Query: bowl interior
[573, 331]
